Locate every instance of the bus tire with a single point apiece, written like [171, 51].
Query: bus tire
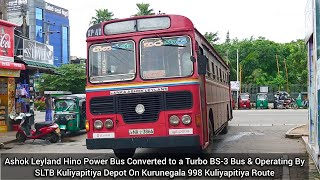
[209, 148]
[225, 129]
[124, 153]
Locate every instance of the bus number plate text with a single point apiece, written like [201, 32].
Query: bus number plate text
[140, 131]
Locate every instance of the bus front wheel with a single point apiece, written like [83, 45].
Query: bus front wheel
[209, 148]
[124, 153]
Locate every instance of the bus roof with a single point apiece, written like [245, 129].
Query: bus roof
[177, 23]
[96, 32]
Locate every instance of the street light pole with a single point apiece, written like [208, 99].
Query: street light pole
[238, 76]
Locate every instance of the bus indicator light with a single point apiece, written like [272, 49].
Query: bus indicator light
[198, 120]
[87, 126]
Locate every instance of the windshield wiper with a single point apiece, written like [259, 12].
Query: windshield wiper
[173, 45]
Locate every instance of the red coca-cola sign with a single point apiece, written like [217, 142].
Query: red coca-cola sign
[6, 41]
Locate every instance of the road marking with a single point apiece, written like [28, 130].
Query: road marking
[265, 124]
[275, 114]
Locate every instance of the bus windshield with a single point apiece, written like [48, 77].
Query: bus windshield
[110, 62]
[166, 57]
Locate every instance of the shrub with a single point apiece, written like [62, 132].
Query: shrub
[39, 105]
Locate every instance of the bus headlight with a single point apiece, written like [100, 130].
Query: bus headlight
[56, 117]
[98, 124]
[174, 120]
[186, 119]
[108, 124]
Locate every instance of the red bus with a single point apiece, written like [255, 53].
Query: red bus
[154, 82]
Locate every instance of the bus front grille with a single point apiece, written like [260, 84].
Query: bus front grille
[103, 105]
[178, 100]
[153, 103]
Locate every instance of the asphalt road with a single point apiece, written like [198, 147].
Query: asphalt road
[251, 131]
[259, 131]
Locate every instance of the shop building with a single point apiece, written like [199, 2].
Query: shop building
[45, 23]
[9, 73]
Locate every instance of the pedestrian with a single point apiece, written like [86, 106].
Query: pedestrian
[48, 102]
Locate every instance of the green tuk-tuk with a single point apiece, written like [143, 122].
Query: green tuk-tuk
[262, 101]
[302, 100]
[70, 113]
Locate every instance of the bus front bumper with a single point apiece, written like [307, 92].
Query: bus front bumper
[143, 142]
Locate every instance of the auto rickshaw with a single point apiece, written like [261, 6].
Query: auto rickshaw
[244, 101]
[70, 113]
[262, 101]
[302, 100]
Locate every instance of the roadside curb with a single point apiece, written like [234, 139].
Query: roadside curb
[2, 145]
[295, 135]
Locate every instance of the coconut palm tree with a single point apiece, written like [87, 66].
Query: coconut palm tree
[143, 9]
[101, 16]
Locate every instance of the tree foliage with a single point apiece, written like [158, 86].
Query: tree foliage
[212, 37]
[144, 9]
[258, 58]
[101, 16]
[71, 77]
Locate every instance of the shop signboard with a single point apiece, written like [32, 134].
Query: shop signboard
[56, 10]
[16, 5]
[235, 85]
[37, 52]
[6, 42]
[9, 73]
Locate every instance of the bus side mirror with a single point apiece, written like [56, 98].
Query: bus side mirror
[202, 64]
[192, 58]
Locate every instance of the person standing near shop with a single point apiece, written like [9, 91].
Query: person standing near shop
[48, 102]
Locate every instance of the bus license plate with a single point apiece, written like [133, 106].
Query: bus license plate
[140, 131]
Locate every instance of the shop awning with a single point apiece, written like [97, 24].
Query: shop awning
[38, 64]
[12, 65]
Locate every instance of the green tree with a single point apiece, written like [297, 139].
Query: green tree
[211, 37]
[228, 37]
[71, 77]
[143, 9]
[259, 61]
[101, 16]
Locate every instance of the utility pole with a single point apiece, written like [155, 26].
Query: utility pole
[24, 20]
[278, 70]
[238, 76]
[3, 10]
[48, 32]
[285, 66]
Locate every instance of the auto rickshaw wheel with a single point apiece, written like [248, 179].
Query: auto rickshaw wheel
[124, 153]
[63, 133]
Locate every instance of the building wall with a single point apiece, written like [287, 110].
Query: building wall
[59, 39]
[46, 23]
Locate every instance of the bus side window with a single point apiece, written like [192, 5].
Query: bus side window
[213, 72]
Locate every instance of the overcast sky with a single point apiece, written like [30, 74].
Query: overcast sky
[277, 20]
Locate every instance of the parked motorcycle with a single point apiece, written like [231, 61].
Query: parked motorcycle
[44, 130]
[279, 104]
